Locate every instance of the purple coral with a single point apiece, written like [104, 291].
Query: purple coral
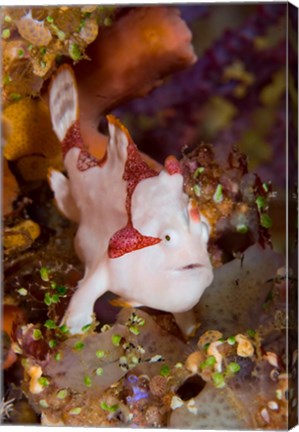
[138, 392]
[197, 83]
[173, 118]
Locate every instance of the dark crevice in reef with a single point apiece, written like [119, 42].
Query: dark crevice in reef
[191, 387]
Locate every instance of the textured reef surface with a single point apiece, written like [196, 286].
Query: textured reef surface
[205, 84]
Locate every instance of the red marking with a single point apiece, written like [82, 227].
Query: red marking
[86, 161]
[136, 170]
[72, 139]
[172, 165]
[127, 240]
[194, 213]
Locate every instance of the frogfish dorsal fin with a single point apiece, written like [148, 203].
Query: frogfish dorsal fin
[63, 101]
[127, 240]
[64, 109]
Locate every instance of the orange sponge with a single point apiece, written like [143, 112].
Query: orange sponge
[31, 136]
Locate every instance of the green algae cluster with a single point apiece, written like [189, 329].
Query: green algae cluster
[36, 39]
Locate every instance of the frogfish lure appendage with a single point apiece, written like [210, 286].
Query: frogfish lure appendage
[138, 234]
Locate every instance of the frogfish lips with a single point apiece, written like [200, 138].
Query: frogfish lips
[191, 266]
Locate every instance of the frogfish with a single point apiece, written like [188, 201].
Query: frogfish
[139, 236]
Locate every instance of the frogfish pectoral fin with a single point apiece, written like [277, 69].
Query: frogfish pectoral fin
[63, 196]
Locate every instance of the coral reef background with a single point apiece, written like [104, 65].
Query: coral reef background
[219, 106]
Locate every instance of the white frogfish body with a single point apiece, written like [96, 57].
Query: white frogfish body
[138, 234]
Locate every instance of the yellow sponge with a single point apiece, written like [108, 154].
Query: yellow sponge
[31, 137]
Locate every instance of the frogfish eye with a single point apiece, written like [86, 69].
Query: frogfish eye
[170, 237]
